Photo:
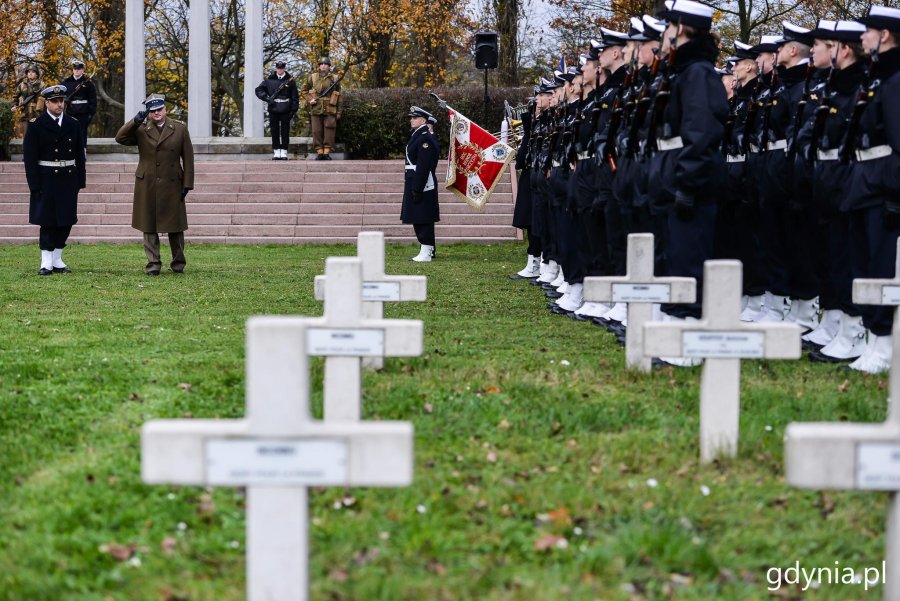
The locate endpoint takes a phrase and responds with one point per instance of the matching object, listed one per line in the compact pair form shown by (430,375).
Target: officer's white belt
(56,163)
(827,155)
(410,167)
(876,152)
(281,100)
(79,102)
(584,155)
(664,144)
(557,164)
(778,145)
(735,158)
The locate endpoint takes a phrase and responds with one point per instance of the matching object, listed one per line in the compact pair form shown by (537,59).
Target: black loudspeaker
(487,47)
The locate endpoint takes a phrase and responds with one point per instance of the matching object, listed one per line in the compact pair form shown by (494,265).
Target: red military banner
(477,160)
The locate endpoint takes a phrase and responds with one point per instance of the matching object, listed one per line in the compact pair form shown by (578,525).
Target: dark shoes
(154,272)
(61,270)
(45,271)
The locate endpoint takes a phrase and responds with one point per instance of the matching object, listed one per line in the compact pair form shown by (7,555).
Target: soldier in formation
(784,157)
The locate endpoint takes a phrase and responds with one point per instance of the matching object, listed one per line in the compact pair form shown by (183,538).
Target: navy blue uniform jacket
(54,190)
(420,195)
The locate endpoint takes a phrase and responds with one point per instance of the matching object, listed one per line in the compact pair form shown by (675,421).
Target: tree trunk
(507,12)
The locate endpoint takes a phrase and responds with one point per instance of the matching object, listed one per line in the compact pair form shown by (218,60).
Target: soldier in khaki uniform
(29,104)
(324,108)
(164,175)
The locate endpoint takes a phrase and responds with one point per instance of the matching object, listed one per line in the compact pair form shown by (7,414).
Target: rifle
(272,96)
(801,108)
(752,109)
(821,114)
(615,122)
(730,121)
(78,87)
(566,131)
(571,153)
(863,97)
(595,112)
(642,104)
(767,110)
(662,99)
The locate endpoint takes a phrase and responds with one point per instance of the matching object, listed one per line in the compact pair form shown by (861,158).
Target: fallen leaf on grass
(428,407)
(338,575)
(206,507)
(549,541)
(504,425)
(167,546)
(843,386)
(491,457)
(492,389)
(185,386)
(437,568)
(364,556)
(117,551)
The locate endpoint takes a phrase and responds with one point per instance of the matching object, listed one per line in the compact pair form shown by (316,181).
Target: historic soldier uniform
(322,92)
(420,195)
(28,100)
(279,91)
(164,175)
(54,168)
(81,97)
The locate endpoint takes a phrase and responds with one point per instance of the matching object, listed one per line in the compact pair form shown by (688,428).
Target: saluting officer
(279,91)
(164,175)
(81,97)
(420,195)
(54,168)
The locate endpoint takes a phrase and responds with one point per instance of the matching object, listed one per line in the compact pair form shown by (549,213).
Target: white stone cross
(344,335)
(722,339)
(277,451)
(378,288)
(639,288)
(848,456)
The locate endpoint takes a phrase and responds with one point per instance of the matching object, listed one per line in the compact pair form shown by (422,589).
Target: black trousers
(52,237)
(424,233)
(873,254)
(534,243)
(280,124)
(689,244)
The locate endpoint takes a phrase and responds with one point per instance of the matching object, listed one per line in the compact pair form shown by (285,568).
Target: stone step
(248,202)
(391,166)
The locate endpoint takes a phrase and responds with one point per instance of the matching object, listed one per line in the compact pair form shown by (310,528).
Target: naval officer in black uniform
(420,195)
(81,97)
(54,167)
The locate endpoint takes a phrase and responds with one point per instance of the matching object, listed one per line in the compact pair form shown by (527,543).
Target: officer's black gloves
(892,215)
(417,197)
(184,192)
(684,206)
(139,118)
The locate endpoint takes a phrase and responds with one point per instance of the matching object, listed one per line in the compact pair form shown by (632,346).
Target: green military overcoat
(165,168)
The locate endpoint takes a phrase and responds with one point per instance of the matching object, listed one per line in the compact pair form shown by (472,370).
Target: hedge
(374,123)
(6,128)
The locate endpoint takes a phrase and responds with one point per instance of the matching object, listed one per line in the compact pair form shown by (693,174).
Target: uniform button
(157,164)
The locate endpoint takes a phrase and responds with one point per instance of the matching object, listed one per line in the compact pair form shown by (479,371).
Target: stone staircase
(264,202)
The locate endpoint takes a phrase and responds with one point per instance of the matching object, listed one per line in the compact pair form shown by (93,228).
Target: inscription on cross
(639,288)
(722,339)
(344,336)
(378,288)
(277,451)
(858,456)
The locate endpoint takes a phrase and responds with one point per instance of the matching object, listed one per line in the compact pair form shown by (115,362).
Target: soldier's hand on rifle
(337,116)
(139,118)
(892,215)
(313,101)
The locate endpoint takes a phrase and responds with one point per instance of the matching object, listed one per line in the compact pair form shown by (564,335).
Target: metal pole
(486,102)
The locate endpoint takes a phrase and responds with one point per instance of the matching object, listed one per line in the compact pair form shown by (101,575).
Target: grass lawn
(544,469)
